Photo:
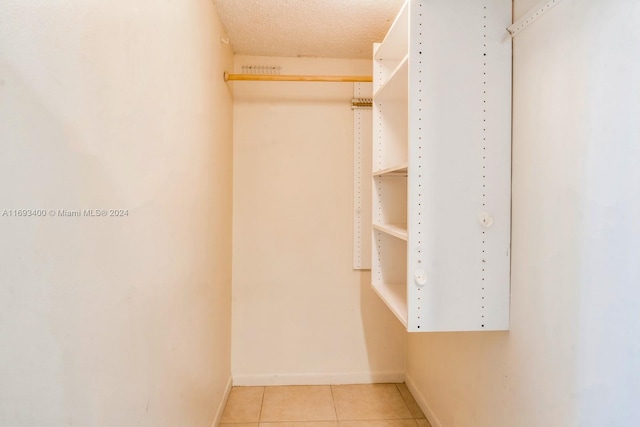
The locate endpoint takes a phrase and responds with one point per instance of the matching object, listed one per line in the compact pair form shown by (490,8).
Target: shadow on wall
(376,317)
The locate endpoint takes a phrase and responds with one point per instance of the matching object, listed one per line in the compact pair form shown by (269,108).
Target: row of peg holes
(484,154)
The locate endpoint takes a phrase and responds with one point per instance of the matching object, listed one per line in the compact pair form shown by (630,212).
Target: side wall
(300,313)
(572,355)
(116,321)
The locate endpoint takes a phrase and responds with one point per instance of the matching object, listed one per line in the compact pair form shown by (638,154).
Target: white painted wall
(114,321)
(572,357)
(300,313)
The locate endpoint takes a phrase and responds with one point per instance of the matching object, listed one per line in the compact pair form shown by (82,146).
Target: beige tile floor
(358,405)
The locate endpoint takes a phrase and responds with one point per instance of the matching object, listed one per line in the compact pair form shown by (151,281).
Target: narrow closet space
(301,313)
(319,213)
(312,343)
(361,209)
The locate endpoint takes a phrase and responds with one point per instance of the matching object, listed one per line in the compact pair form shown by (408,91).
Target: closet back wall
(301,314)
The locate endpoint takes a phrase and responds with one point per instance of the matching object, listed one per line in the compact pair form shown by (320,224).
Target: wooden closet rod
(295,78)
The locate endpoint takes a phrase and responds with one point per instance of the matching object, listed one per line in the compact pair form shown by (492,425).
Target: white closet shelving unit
(442,165)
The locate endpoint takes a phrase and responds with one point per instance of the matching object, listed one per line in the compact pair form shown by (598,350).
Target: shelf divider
(399,76)
(398,170)
(394,296)
(395,230)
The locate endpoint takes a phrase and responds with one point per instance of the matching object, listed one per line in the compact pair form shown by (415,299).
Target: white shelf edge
(392,78)
(398,307)
(395,32)
(398,170)
(395,230)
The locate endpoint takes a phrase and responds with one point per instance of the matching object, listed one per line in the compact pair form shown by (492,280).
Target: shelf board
(399,170)
(395,297)
(397,85)
(396,43)
(395,230)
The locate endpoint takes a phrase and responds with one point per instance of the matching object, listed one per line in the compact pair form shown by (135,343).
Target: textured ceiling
(316,28)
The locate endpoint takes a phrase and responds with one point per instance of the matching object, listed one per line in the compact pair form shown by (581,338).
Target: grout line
(333,399)
(264,391)
(406,403)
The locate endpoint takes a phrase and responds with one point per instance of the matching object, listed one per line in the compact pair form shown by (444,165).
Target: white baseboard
(426,409)
(223,402)
(318,379)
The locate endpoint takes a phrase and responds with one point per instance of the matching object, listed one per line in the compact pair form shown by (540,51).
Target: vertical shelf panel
(447,115)
(459,165)
(362,163)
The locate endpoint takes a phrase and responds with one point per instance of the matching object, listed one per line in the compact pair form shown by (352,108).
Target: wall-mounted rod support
(536,12)
(295,78)
(361,103)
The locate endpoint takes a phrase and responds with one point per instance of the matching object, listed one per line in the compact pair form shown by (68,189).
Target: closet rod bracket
(536,12)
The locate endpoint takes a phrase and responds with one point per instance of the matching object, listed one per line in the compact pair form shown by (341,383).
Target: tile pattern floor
(358,405)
